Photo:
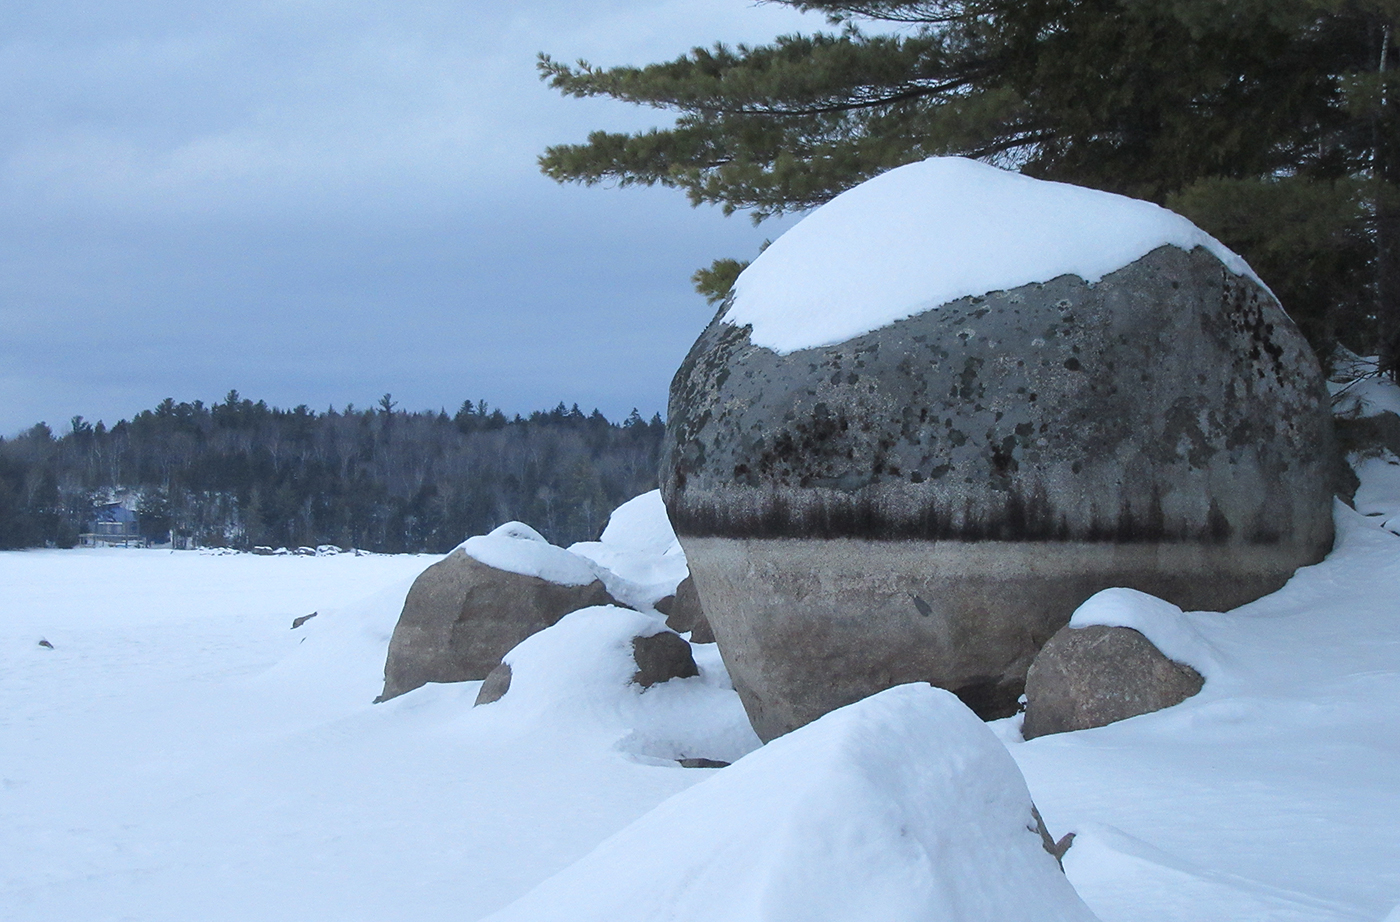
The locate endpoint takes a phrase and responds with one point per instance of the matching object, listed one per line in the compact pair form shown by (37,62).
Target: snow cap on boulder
(903,806)
(517,548)
(638,556)
(932,232)
(492,591)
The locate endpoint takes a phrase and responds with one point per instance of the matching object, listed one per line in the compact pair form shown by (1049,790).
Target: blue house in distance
(113,523)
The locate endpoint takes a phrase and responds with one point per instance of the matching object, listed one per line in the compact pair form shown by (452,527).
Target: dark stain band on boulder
(1130,410)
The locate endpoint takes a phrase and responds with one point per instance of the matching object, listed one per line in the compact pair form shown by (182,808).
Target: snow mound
(1378,496)
(638,552)
(575,678)
(935,231)
(1168,627)
(901,806)
(641,525)
(517,548)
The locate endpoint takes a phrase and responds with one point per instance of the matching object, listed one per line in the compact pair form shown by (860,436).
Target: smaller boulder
(1096,675)
(465,612)
(662,657)
(684,613)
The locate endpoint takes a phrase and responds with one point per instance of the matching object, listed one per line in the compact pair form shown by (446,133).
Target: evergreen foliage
(1213,106)
(242,473)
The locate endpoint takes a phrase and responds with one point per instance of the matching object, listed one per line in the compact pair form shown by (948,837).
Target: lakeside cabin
(114,524)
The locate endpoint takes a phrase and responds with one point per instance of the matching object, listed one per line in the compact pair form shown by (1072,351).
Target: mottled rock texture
(461,616)
(930,501)
(684,613)
(1093,676)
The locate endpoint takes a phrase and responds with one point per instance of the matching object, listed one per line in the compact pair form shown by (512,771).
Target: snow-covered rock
(517,548)
(470,608)
(637,556)
(901,807)
(578,679)
(875,484)
(929,233)
(1168,627)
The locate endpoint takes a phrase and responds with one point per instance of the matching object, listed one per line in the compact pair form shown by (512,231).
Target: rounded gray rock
(930,501)
(1097,675)
(461,616)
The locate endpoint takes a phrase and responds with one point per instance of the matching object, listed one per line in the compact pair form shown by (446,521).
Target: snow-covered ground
(181,753)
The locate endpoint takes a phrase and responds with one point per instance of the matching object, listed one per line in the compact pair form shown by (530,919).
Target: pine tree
(1205,104)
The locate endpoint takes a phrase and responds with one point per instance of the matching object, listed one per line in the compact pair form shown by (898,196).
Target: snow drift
(639,558)
(901,806)
(517,548)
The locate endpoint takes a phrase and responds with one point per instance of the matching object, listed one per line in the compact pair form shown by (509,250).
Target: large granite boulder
(1096,675)
(469,609)
(869,496)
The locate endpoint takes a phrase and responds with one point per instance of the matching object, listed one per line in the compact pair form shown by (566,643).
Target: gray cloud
(318,203)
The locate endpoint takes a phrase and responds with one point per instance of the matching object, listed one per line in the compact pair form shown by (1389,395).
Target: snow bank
(1128,870)
(517,548)
(1358,390)
(1378,496)
(1168,627)
(932,232)
(901,806)
(574,679)
(638,552)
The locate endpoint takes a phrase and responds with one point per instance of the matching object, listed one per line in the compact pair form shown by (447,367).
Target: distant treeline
(243,474)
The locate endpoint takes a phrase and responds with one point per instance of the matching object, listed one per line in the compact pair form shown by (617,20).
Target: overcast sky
(320,201)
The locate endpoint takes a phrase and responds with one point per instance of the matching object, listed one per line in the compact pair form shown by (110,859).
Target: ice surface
(899,807)
(931,232)
(181,753)
(1168,627)
(517,548)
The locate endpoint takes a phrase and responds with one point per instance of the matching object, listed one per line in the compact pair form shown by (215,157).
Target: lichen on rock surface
(931,498)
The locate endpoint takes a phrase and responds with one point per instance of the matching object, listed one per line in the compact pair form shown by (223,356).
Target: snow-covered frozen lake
(180,753)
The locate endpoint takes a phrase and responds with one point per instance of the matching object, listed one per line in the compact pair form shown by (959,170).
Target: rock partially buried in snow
(927,493)
(580,678)
(495,686)
(469,609)
(1123,653)
(660,657)
(901,807)
(1094,676)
